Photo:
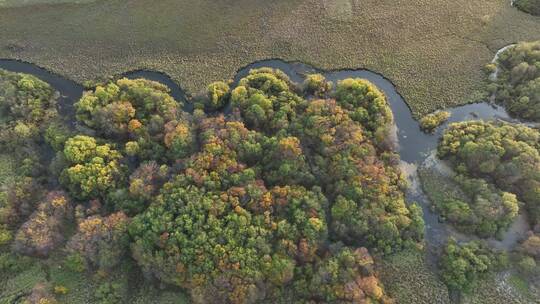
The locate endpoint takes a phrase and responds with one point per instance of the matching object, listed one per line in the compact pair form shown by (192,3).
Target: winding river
(414,146)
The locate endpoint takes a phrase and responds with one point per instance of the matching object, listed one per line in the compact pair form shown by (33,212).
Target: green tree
(266,101)
(93,170)
(517,85)
(316,84)
(366,104)
(431,121)
(217,95)
(139,110)
(463,264)
(505,154)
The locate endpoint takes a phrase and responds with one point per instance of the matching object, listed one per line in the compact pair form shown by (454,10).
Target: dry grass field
(433,50)
(20,3)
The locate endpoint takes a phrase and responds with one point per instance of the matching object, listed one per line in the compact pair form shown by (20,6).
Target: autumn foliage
(43,230)
(282,200)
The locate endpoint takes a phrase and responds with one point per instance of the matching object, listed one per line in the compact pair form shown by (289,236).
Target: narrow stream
(414,145)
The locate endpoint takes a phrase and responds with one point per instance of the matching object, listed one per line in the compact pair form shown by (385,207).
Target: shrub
(60,290)
(527,265)
(5,236)
(110,293)
(56,135)
(12,263)
(316,84)
(431,121)
(75,262)
(217,95)
(472,205)
(463,264)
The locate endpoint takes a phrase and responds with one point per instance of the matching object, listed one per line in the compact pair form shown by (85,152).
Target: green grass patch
(148,294)
(80,286)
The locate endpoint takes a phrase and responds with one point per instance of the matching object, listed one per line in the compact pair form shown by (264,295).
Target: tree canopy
(247,214)
(139,113)
(463,264)
(517,85)
(27,105)
(283,199)
(503,154)
(431,121)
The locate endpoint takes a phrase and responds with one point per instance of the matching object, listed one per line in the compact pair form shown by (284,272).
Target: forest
(488,154)
(517,81)
(495,166)
(285,198)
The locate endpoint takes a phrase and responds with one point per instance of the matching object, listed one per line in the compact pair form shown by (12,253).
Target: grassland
(20,3)
(502,288)
(433,50)
(409,279)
